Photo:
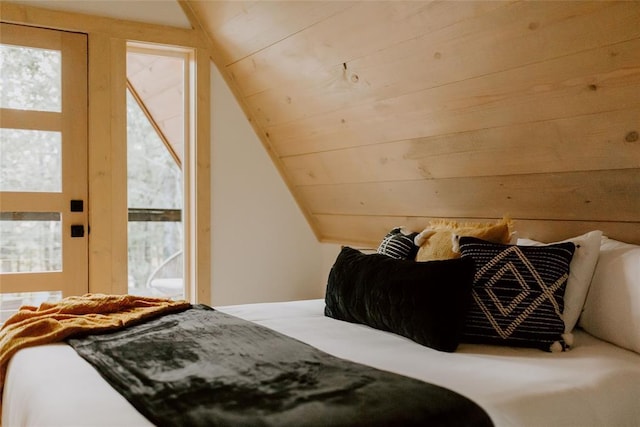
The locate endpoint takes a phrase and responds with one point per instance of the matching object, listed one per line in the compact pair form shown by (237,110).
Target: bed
(595,383)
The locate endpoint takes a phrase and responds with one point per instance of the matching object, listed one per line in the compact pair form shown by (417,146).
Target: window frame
(186,55)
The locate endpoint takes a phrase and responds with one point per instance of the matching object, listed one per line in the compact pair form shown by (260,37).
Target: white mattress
(594,384)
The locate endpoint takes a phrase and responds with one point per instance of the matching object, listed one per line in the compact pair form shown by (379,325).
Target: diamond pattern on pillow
(518,293)
(582,267)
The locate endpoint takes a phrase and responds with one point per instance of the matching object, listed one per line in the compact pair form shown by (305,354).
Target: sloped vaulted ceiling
(393,112)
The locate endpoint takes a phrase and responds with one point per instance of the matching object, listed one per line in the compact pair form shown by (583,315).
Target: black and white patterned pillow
(398,244)
(518,294)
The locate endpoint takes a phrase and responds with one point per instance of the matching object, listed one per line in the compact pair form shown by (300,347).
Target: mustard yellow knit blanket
(90,313)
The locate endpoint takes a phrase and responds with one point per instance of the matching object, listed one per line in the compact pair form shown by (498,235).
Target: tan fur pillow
(439,239)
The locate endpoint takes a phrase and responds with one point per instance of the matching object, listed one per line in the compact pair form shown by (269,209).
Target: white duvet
(594,384)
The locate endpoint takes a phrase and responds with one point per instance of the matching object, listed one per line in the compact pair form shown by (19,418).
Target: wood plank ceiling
(393,112)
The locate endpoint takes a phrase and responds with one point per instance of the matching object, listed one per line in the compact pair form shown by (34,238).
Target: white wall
(262,247)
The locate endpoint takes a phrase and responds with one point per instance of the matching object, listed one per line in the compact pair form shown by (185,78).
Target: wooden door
(43,162)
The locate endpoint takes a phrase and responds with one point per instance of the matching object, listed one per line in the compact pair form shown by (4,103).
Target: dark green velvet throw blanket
(202,367)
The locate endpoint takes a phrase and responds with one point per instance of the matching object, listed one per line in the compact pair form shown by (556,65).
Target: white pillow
(612,309)
(580,273)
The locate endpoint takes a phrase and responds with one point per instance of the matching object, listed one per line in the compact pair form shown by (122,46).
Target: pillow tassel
(455,243)
(423,236)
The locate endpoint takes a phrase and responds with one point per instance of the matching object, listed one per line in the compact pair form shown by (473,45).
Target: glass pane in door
(30,160)
(31,242)
(30,78)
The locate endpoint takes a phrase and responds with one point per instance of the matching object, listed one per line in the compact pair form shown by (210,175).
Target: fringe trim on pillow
(455,225)
(455,243)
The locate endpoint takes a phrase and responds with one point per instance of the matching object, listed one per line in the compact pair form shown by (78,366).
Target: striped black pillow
(399,244)
(518,294)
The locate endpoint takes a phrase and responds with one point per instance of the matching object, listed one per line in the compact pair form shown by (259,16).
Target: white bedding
(594,384)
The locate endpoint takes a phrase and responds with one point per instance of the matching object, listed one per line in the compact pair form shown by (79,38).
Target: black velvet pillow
(424,301)
(518,294)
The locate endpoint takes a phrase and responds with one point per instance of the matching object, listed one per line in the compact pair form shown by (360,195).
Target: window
(157,107)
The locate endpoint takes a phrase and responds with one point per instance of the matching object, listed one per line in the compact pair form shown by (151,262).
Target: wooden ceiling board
(245,28)
(352,34)
(590,142)
(457,52)
(610,195)
(386,113)
(363,231)
(583,83)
